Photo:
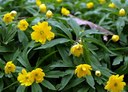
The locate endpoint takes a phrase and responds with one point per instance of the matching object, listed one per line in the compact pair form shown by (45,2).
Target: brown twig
(91,25)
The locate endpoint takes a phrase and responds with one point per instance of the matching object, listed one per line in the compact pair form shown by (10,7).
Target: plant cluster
(63,45)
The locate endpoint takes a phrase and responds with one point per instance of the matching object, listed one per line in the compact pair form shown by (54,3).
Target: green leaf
(120,23)
(36,87)
(117,60)
(65,80)
(1,74)
(2,64)
(48,85)
(31,11)
(61,26)
(90,81)
(76,28)
(65,56)
(55,74)
(74,83)
(84,89)
(22,37)
(21,89)
(53,43)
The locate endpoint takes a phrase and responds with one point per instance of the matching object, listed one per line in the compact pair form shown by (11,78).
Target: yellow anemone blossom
(25,78)
(65,11)
(122,12)
(38,75)
(115,38)
(90,5)
(9,67)
(76,50)
(43,8)
(102,1)
(83,70)
(38,2)
(8,18)
(112,5)
(23,25)
(115,83)
(49,14)
(42,32)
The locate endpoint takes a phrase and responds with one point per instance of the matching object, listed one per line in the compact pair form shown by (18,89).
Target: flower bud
(90,5)
(59,1)
(122,12)
(43,8)
(112,5)
(13,13)
(49,14)
(98,73)
(115,38)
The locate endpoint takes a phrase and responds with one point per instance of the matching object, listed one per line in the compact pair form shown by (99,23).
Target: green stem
(10,85)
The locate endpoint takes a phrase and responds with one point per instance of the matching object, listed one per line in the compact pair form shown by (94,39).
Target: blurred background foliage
(54,56)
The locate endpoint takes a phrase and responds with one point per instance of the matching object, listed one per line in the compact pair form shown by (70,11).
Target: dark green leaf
(117,60)
(21,89)
(36,87)
(90,81)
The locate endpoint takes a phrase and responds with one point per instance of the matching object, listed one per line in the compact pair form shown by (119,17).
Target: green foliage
(54,56)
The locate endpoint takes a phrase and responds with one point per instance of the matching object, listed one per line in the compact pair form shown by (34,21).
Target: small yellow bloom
(23,25)
(115,83)
(43,8)
(13,13)
(115,38)
(76,50)
(8,18)
(90,5)
(102,1)
(42,32)
(65,11)
(25,78)
(98,73)
(122,12)
(9,67)
(83,70)
(112,5)
(38,2)
(49,14)
(38,75)
(59,1)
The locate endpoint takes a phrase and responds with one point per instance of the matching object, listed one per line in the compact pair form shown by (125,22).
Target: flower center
(83,68)
(115,84)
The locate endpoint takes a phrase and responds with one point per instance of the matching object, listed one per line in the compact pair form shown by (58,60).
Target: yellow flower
(8,18)
(112,5)
(102,1)
(13,13)
(122,12)
(90,5)
(115,84)
(76,50)
(98,73)
(83,70)
(25,78)
(59,1)
(38,75)
(49,14)
(65,11)
(43,8)
(9,67)
(38,2)
(23,25)
(115,38)
(42,32)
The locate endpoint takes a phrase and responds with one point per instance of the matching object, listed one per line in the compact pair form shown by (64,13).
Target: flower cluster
(27,78)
